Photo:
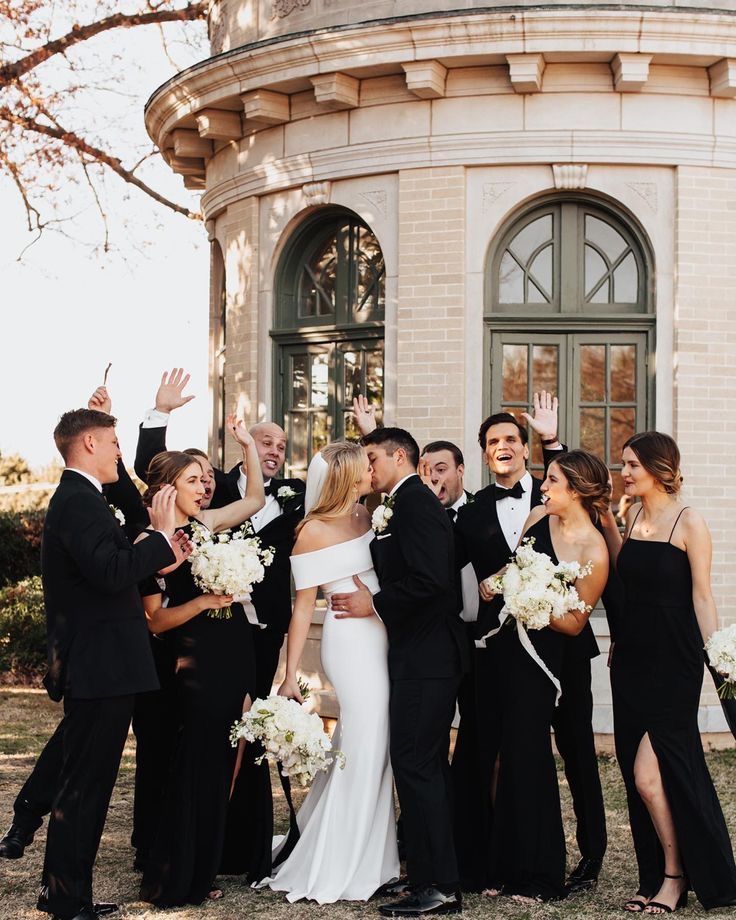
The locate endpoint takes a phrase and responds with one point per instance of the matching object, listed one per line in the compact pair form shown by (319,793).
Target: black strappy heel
(665,908)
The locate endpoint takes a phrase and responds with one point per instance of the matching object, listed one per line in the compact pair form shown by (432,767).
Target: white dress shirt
(269,512)
(95,482)
(154,418)
(513,512)
(401,482)
(468,580)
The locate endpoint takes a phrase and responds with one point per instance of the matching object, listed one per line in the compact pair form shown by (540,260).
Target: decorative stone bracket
(630,71)
(569,176)
(525,72)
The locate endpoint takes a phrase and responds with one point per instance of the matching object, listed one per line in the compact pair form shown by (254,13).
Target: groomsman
(99,655)
(488,530)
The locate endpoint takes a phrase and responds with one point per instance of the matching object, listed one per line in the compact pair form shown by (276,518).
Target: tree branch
(77,143)
(11,72)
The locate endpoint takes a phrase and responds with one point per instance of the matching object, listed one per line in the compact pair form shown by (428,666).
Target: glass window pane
(369,275)
(352,433)
(541,269)
(534,295)
(374,377)
(623,425)
(593,430)
(618,489)
(623,373)
(319,381)
(605,237)
(318,281)
(352,361)
(298,441)
(595,270)
(299,387)
(592,373)
(544,368)
(320,432)
(515,373)
(626,281)
(531,237)
(510,281)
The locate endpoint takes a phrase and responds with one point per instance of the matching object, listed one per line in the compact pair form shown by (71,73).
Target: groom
(413,557)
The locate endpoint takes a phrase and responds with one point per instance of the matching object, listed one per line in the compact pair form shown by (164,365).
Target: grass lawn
(27,718)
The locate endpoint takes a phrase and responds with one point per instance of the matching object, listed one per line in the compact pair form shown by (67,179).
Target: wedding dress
(347,845)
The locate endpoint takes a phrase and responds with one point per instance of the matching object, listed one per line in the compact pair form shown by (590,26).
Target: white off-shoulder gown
(347,846)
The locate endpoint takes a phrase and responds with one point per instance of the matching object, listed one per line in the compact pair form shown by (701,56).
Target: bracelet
(547,441)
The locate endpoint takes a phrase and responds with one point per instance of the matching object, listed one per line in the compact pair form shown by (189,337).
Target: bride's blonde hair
(345,467)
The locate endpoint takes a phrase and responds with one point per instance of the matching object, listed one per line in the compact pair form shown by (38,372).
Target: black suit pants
(420,714)
(34,800)
(93,737)
(573,725)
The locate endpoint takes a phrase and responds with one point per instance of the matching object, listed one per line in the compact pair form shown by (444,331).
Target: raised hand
(425,474)
(182,547)
(365,414)
(163,510)
(544,420)
(100,401)
(169,395)
(290,689)
(236,427)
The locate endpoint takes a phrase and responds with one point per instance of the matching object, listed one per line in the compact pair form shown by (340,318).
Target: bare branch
(12,71)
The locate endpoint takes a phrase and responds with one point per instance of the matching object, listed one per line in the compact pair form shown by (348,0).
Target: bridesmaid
(680,836)
(214,675)
(527,859)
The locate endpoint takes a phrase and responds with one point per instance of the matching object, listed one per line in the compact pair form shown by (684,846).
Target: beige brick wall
(705,360)
(431,295)
(241,278)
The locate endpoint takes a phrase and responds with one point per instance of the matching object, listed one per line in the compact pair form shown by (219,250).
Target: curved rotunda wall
(237,22)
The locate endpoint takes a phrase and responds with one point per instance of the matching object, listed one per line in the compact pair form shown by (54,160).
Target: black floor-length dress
(527,837)
(656,678)
(215,669)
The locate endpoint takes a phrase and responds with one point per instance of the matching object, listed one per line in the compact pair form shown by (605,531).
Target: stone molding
(570,176)
(722,76)
(316,193)
(280,9)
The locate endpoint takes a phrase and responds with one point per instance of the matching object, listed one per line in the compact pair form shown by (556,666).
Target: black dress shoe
(103,908)
(585,875)
(86,913)
(424,902)
(13,844)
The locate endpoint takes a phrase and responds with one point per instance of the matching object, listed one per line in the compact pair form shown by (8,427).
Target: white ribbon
(249,610)
(526,644)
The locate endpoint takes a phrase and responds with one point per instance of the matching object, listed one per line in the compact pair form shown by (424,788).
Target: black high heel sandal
(665,908)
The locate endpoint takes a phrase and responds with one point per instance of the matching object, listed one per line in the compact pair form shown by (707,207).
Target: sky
(66,312)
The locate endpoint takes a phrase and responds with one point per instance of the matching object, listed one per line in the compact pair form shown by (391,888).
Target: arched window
(328,337)
(569,308)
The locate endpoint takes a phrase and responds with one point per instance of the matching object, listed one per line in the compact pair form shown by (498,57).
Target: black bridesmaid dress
(215,669)
(527,854)
(656,678)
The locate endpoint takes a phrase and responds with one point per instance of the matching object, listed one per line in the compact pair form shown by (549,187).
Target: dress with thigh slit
(656,678)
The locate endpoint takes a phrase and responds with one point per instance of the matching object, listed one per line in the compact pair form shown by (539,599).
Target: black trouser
(93,737)
(34,800)
(420,715)
(573,725)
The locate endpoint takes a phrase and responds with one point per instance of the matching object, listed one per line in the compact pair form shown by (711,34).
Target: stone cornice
(480,149)
(688,34)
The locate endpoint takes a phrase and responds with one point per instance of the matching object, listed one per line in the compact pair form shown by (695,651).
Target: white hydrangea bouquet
(229,562)
(290,735)
(721,649)
(536,590)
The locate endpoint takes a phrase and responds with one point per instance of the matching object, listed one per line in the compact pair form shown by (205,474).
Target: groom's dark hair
(390,439)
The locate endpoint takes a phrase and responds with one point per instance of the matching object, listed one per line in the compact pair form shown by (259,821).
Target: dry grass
(27,718)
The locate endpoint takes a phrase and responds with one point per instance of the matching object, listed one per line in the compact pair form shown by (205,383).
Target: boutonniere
(117,514)
(285,494)
(383,514)
(470,498)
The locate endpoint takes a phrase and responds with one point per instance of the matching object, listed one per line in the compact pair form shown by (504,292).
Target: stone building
(448,205)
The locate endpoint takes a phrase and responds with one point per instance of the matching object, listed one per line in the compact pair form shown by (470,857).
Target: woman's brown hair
(587,475)
(659,454)
(165,469)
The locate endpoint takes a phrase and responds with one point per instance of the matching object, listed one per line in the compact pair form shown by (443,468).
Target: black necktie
(270,489)
(452,514)
(515,492)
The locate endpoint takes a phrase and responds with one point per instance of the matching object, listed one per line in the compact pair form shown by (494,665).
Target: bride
(347,845)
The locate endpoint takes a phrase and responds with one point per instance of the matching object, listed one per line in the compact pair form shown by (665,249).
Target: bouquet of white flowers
(229,562)
(721,649)
(536,590)
(290,735)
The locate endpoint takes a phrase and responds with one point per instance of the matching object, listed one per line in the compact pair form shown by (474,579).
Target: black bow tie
(452,514)
(270,489)
(515,492)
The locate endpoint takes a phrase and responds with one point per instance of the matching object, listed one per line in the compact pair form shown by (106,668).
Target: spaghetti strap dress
(527,853)
(656,679)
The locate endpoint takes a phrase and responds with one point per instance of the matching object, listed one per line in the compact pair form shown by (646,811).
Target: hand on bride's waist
(356,603)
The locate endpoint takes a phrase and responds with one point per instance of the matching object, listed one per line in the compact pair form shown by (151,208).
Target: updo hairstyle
(165,469)
(659,454)
(587,475)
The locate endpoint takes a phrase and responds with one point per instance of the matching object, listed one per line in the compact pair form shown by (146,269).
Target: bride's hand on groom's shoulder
(290,689)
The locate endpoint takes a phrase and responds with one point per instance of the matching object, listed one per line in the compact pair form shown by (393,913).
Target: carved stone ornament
(647,191)
(282,8)
(493,191)
(570,175)
(378,198)
(316,193)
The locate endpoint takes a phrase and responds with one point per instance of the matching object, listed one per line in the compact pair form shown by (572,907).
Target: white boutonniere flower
(118,515)
(382,515)
(285,493)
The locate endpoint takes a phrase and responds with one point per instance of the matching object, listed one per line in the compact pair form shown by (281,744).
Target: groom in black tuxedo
(98,649)
(413,557)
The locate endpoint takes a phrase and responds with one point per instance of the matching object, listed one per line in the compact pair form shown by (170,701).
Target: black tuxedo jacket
(98,643)
(414,562)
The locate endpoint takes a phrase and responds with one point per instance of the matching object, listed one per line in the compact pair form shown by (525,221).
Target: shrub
(20,545)
(22,631)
